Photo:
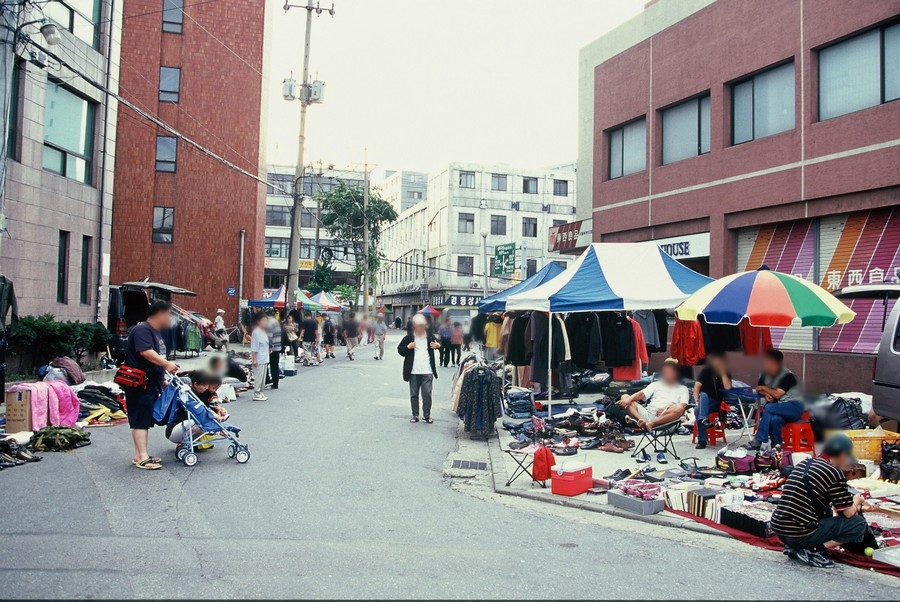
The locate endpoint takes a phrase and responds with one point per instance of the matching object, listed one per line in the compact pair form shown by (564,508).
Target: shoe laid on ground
(609,446)
(661,458)
(260,398)
(700,445)
(620,474)
(753,445)
(815,559)
(643,457)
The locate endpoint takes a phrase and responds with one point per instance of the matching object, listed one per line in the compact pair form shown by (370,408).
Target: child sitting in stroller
(200,386)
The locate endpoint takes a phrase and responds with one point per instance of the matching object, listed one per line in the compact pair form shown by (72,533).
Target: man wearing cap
(817,511)
(220,326)
(419,368)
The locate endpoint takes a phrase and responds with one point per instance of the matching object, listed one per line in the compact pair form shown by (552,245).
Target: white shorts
(178,432)
(648,412)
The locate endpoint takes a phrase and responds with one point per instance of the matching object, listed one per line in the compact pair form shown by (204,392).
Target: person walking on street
(379,331)
(328,331)
(456,341)
(293,338)
(467,335)
(220,330)
(351,335)
(309,332)
(275,333)
(419,368)
(445,332)
(146,351)
(259,355)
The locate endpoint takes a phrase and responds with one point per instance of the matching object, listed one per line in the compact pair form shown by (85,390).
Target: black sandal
(429,421)
(414,419)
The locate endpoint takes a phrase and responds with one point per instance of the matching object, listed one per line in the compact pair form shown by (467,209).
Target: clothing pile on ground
(101,403)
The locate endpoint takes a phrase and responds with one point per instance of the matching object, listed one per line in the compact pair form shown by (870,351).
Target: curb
(653,519)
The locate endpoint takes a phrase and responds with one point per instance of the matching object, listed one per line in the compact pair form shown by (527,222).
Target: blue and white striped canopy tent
(497,302)
(614,276)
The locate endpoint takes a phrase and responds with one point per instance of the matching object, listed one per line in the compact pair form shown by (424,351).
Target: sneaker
(753,445)
(815,559)
(260,398)
(790,552)
(644,457)
(661,458)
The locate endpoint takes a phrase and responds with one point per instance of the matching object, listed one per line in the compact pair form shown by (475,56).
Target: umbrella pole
(549,365)
(884,313)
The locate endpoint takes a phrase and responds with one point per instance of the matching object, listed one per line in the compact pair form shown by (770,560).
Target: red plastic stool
(713,433)
(798,436)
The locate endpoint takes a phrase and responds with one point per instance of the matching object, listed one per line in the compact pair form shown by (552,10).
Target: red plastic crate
(570,479)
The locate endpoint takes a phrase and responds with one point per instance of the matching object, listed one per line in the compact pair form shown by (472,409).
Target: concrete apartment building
(403,189)
(747,133)
(181,216)
(59,158)
(278,225)
(434,250)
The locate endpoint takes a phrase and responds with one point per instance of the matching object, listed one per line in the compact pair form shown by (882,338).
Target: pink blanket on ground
(52,402)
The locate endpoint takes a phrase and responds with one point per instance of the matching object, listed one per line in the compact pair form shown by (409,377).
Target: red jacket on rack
(687,342)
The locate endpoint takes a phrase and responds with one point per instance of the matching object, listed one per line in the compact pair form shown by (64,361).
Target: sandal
(153,459)
(429,421)
(414,419)
(148,464)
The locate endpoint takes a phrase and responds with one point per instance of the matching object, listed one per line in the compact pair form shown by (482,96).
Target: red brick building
(756,131)
(179,215)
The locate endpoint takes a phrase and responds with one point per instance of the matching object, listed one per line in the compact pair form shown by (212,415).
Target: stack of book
(753,518)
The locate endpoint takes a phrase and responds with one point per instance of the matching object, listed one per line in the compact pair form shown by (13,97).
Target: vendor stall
(497,302)
(327,301)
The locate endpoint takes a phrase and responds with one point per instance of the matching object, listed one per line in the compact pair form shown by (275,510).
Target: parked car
(886,375)
(128,304)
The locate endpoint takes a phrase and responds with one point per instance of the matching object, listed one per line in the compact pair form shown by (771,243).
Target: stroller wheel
(190,459)
(242,456)
(231,451)
(180,453)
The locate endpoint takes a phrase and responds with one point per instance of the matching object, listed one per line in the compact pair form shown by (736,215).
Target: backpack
(543,460)
(745,465)
(328,327)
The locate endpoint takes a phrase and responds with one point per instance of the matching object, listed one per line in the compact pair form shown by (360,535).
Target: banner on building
(571,236)
(456,300)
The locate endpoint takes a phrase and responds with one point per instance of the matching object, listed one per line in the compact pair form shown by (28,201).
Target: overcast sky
(424,82)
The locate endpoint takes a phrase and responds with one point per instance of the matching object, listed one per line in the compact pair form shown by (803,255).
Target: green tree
(348,294)
(342,215)
(322,278)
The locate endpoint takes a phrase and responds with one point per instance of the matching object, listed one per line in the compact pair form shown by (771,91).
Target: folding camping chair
(660,439)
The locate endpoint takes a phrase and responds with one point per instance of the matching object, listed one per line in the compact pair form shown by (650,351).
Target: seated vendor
(708,394)
(816,510)
(667,399)
(784,399)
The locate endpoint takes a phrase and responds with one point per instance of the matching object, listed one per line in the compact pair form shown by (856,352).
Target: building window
(278,215)
(62,268)
(78,16)
(169,84)
(859,73)
(86,252)
(68,133)
(763,105)
(280,184)
(498,225)
(307,250)
(466,223)
(416,178)
(627,149)
(432,264)
(308,217)
(166,153)
(529,185)
(465,265)
(492,269)
(414,194)
(530,268)
(13,115)
(685,130)
(172,16)
(529,227)
(163,224)
(498,182)
(272,281)
(277,246)
(561,264)
(560,188)
(467,179)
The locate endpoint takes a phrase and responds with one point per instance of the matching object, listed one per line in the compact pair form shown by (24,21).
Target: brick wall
(220,107)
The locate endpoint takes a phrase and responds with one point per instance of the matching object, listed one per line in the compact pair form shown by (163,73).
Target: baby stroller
(178,394)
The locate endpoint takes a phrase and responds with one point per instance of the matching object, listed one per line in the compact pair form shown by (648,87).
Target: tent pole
(549,365)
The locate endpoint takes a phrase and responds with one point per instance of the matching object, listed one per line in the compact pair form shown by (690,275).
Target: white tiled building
(433,251)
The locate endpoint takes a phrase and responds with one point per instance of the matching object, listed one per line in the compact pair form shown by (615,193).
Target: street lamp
(51,33)
(484,234)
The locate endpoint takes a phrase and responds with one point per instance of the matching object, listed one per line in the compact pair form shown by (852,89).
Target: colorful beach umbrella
(765,298)
(430,311)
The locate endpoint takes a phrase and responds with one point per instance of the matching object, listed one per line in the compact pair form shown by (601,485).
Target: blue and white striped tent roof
(614,276)
(497,302)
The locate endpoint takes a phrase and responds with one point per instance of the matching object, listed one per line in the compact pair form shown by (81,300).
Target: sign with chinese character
(505,258)
(572,236)
(307,264)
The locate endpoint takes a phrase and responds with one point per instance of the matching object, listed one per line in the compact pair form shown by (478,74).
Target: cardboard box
(18,411)
(633,504)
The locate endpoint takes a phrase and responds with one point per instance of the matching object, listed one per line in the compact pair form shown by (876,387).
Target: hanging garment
(518,354)
(617,336)
(8,303)
(492,331)
(662,328)
(539,358)
(564,335)
(687,342)
(633,372)
(505,331)
(480,400)
(755,340)
(647,321)
(720,337)
(476,329)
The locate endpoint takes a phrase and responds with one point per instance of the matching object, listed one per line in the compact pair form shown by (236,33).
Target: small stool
(798,436)
(713,433)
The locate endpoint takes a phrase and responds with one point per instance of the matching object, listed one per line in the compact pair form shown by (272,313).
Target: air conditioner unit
(476,285)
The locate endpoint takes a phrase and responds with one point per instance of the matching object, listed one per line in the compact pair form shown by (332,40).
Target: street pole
(293,279)
(366,235)
(484,258)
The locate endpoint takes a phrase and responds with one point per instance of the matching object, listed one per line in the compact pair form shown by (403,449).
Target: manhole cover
(469,465)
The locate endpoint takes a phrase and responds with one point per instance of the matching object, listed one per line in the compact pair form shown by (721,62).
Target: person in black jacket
(419,368)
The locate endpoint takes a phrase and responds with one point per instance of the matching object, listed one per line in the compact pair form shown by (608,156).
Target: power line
(399,261)
(225,46)
(153,12)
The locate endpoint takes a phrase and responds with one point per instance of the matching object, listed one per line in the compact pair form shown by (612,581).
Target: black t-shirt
(309,328)
(351,327)
(711,383)
(787,382)
(327,327)
(144,337)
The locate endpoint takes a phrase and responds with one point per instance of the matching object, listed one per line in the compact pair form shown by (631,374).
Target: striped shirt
(814,488)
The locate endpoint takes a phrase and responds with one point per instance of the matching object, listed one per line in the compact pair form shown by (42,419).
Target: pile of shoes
(12,454)
(585,429)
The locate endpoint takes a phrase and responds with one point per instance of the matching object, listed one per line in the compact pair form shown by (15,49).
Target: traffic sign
(505,258)
(231,291)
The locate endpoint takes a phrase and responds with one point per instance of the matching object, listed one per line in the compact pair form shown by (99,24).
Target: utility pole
(293,279)
(366,235)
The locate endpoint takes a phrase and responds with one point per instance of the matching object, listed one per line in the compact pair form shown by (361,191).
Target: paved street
(344,498)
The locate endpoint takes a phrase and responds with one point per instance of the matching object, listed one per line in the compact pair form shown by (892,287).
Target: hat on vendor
(837,445)
(220,311)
